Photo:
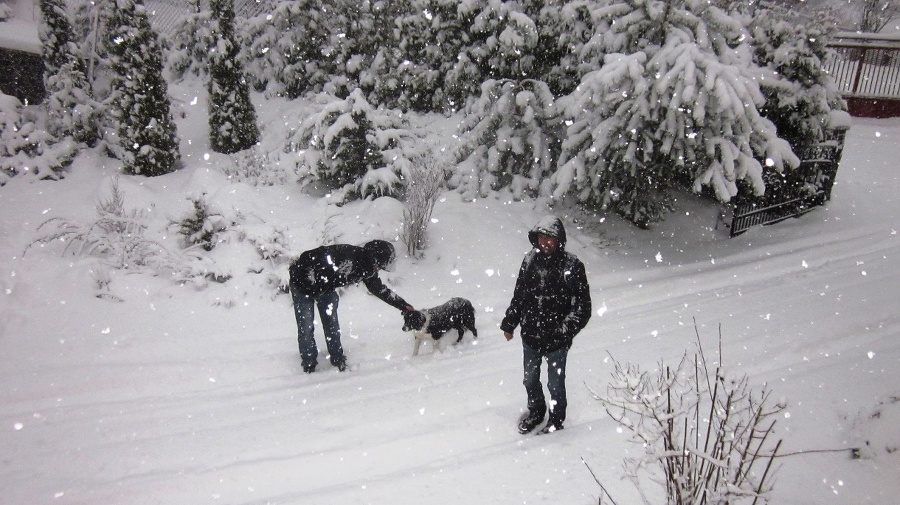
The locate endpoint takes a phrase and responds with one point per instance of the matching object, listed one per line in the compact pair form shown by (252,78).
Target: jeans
(556,382)
(303,310)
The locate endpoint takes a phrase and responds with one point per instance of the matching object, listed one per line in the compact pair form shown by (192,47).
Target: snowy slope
(187,394)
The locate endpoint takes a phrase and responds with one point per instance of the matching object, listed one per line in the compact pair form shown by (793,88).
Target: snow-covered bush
(139,102)
(256,167)
(707,438)
(508,139)
(426,176)
(201,226)
(675,104)
(27,149)
(353,147)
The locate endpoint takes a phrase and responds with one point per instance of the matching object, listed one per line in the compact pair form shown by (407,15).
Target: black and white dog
(457,314)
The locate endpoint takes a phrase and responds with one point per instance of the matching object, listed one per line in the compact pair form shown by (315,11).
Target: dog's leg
(416,344)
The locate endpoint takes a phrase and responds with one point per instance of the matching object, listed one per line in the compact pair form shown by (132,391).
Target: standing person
(551,303)
(314,278)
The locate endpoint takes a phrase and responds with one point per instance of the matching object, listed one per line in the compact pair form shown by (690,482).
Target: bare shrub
(117,235)
(707,437)
(426,176)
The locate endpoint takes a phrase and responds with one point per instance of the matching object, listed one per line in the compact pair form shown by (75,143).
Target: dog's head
(413,320)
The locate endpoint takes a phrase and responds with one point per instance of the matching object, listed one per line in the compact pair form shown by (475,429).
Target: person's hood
(551,226)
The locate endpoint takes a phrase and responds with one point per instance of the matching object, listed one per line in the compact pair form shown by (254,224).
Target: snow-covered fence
(797,192)
(166,14)
(866,69)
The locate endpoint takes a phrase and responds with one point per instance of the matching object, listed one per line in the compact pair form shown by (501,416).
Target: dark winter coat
(329,267)
(552,300)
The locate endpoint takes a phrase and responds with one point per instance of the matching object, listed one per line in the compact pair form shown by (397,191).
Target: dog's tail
(469,320)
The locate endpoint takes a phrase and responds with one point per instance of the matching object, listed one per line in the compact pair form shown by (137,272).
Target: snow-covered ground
(164,393)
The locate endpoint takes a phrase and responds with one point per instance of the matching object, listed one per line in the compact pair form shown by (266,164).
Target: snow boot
(552,425)
(529,422)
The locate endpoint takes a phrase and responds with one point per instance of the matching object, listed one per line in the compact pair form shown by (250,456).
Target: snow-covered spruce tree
(563,30)
(26,149)
(502,42)
(676,104)
(189,43)
(71,110)
(801,101)
(291,51)
(139,102)
(355,148)
(432,34)
(508,139)
(232,119)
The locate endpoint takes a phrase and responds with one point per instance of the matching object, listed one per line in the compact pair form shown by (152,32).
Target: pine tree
(190,41)
(354,147)
(508,140)
(232,119)
(433,35)
(148,141)
(801,100)
(675,104)
(72,112)
(290,51)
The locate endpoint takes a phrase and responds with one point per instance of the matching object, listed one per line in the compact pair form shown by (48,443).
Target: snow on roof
(20,35)
(20,30)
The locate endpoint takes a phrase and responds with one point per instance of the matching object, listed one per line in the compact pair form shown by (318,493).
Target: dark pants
(303,310)
(556,382)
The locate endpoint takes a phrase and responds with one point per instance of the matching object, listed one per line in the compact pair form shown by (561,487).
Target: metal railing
(865,65)
(166,14)
(797,192)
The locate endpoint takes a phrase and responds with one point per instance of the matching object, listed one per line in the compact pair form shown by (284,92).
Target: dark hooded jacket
(329,267)
(552,300)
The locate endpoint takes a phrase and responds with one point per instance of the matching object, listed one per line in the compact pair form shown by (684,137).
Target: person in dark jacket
(551,303)
(314,278)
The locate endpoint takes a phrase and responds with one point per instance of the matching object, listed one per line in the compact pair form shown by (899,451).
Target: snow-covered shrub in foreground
(355,148)
(707,437)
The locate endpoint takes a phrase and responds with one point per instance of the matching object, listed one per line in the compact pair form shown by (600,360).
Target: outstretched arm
(376,287)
